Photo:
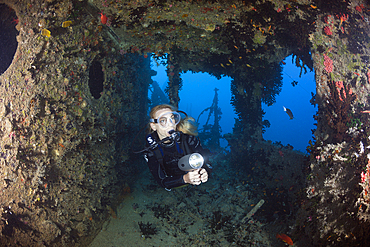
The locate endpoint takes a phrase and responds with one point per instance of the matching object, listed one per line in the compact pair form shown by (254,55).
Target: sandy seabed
(184,217)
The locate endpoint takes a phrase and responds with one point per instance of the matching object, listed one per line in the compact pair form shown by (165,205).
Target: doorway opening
(196,95)
(296,95)
(198,91)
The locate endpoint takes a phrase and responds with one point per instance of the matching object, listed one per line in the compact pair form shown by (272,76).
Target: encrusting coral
(338,109)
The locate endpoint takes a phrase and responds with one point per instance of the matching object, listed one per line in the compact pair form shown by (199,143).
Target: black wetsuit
(166,172)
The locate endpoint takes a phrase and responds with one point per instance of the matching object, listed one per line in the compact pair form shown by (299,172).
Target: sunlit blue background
(198,92)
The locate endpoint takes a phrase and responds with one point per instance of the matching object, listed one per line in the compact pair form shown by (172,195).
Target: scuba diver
(173,152)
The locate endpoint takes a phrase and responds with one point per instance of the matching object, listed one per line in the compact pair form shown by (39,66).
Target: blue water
(296,132)
(198,91)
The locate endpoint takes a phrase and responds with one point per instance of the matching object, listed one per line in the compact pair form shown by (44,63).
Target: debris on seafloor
(253,211)
(147,230)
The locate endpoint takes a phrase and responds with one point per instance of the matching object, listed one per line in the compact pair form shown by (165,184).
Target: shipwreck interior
(74,81)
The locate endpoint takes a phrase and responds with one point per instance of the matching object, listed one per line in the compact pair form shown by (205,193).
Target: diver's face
(161,130)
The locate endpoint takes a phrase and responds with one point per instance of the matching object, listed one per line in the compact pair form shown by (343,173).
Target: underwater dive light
(191,161)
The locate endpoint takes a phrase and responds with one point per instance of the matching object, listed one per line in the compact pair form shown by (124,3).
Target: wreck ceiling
(245,40)
(213,35)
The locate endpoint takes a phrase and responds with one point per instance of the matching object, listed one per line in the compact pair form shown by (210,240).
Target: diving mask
(166,118)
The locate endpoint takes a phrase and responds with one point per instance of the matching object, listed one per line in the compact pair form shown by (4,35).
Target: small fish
(103,18)
(289,112)
(249,66)
(45,32)
(230,61)
(285,238)
(222,66)
(66,24)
